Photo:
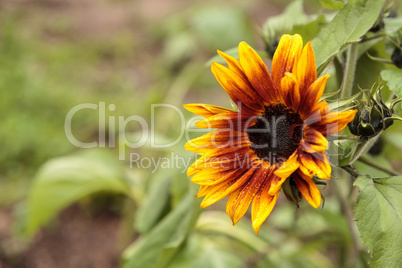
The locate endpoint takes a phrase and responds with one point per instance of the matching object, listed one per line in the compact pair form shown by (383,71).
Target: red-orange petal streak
(312,95)
(308,189)
(240,200)
(223,189)
(238,89)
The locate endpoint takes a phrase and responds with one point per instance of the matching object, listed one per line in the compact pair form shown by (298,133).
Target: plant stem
(362,147)
(347,211)
(352,171)
(373,164)
(350,68)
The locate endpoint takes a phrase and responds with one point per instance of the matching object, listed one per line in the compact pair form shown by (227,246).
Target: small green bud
(271,45)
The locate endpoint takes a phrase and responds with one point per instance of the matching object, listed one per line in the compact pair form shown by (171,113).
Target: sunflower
(278,133)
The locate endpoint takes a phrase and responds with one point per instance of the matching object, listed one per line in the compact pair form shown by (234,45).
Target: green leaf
(349,25)
(392,25)
(274,27)
(219,26)
(309,30)
(159,246)
(199,252)
(394,80)
(332,4)
(337,104)
(329,95)
(155,204)
(395,138)
(65,180)
(367,73)
(341,152)
(379,218)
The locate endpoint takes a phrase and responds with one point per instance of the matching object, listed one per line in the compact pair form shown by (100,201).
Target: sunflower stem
(352,171)
(362,147)
(374,164)
(349,74)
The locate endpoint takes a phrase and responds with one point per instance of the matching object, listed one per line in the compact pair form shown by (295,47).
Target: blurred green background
(55,55)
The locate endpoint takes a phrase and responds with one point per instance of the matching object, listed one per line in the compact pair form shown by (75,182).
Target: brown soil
(77,240)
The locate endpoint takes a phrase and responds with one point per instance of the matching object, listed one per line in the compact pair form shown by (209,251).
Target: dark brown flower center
(276,134)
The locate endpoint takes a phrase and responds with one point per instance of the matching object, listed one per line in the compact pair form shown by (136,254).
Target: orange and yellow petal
(239,201)
(211,177)
(312,95)
(315,164)
(314,141)
(290,91)
(283,172)
(308,189)
(305,70)
(232,120)
(286,55)
(238,90)
(233,64)
(263,204)
(220,138)
(221,190)
(257,73)
(334,122)
(203,191)
(206,110)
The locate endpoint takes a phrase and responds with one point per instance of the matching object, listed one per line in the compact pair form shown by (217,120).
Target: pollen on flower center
(276,134)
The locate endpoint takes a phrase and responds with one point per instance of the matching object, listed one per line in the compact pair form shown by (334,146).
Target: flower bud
(396,57)
(291,191)
(371,117)
(378,25)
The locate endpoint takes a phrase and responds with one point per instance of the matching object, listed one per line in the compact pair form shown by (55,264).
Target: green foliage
(159,246)
(349,25)
(44,76)
(155,204)
(378,214)
(274,27)
(394,80)
(220,26)
(332,4)
(309,30)
(65,180)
